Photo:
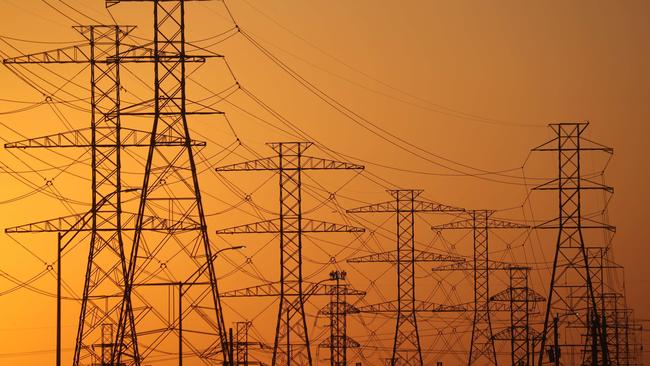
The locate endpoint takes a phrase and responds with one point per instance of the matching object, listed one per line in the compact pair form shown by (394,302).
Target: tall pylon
(103,49)
(338,310)
(406,344)
(522,301)
(183,254)
(571,291)
(480,222)
(291,346)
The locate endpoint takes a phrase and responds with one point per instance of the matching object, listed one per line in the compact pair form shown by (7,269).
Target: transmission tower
(338,310)
(242,344)
(522,301)
(482,344)
(170,190)
(291,344)
(103,50)
(406,344)
(571,292)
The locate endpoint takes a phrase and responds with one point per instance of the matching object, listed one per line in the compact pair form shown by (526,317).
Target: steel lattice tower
(338,310)
(571,292)
(106,267)
(241,343)
(521,300)
(291,344)
(170,192)
(406,344)
(482,342)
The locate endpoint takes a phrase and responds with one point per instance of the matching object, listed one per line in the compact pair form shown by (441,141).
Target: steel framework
(406,344)
(170,190)
(106,266)
(480,222)
(571,292)
(291,344)
(338,310)
(522,301)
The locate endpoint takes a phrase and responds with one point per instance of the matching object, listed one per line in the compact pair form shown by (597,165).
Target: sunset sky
(444,96)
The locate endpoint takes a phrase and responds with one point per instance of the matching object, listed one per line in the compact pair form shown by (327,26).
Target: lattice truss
(150,289)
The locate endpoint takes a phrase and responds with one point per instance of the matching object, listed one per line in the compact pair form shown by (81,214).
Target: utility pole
(338,309)
(291,346)
(480,222)
(571,290)
(405,203)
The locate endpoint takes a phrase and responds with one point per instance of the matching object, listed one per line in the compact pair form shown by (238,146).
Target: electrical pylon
(170,190)
(338,310)
(480,222)
(406,344)
(571,292)
(291,344)
(242,344)
(522,301)
(103,50)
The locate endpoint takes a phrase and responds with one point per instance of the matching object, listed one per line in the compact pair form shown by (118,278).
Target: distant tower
(338,309)
(292,344)
(406,343)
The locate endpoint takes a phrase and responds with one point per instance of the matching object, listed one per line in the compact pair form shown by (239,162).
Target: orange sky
(473,82)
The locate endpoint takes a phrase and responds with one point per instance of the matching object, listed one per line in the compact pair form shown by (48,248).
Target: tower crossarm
(82,138)
(420,307)
(322,289)
(273,289)
(333,308)
(82,222)
(573,183)
(507,296)
(561,143)
(349,343)
(66,55)
(418,206)
(81,54)
(110,3)
(468,266)
(251,165)
(307,226)
(469,224)
(418,256)
(267,289)
(572,223)
(306,163)
(313,163)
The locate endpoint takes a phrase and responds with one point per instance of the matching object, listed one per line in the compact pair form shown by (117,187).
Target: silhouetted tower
(338,310)
(241,343)
(571,291)
(482,344)
(521,300)
(291,344)
(406,344)
(170,192)
(103,50)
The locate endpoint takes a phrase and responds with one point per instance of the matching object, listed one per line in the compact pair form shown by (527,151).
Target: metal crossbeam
(274,226)
(83,138)
(418,256)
